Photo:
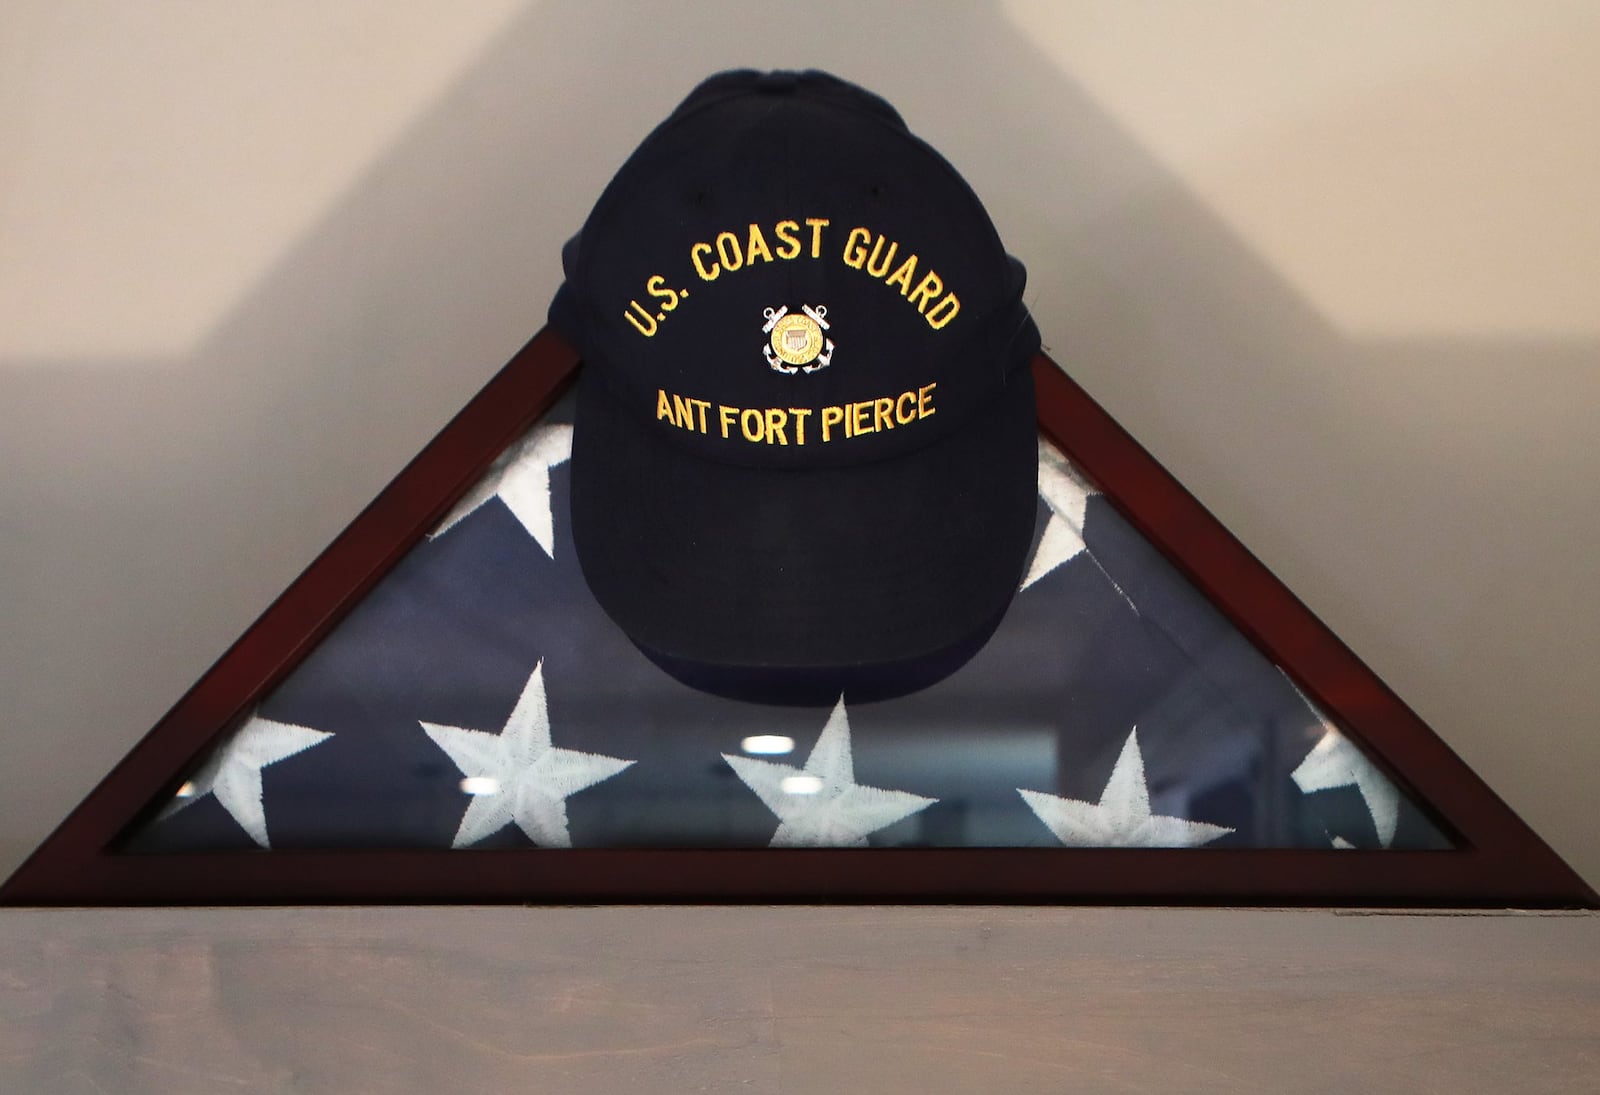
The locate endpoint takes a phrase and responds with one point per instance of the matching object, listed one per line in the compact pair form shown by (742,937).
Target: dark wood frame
(1497,861)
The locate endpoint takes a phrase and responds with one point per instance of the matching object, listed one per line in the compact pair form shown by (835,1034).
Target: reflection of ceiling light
(801,785)
(187,790)
(769,744)
(481,785)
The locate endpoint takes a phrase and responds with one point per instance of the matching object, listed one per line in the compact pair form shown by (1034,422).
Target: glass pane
(478,698)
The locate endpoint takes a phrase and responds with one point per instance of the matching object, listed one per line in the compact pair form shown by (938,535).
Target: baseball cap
(804,454)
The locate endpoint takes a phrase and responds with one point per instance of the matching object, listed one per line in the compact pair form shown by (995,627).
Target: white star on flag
(822,805)
(1336,762)
(1122,817)
(521,479)
(1067,494)
(517,775)
(233,771)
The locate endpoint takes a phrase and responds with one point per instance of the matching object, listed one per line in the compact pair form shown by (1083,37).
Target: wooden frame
(1497,860)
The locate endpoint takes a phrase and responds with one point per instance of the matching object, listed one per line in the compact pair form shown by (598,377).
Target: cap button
(779,82)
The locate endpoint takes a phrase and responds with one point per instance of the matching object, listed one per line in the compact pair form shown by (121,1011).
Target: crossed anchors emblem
(796,343)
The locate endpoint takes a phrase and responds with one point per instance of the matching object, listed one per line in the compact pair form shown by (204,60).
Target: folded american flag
(479,697)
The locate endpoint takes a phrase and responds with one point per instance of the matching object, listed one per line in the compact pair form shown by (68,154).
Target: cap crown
(782,275)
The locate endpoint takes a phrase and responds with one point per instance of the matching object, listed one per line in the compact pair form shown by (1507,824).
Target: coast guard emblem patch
(795,341)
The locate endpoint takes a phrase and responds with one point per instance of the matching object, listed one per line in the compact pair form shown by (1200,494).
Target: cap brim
(820,576)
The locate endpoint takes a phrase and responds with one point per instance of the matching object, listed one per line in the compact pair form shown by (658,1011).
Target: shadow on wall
(152,512)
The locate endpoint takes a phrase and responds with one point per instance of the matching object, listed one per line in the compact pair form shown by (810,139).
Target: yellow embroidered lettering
(699,267)
(902,277)
(772,425)
(883,414)
(683,412)
(788,242)
(855,249)
(831,417)
(874,267)
(875,254)
(686,412)
(928,288)
(902,413)
(817,225)
(756,246)
(746,417)
(657,288)
(777,419)
(943,312)
(628,314)
(728,251)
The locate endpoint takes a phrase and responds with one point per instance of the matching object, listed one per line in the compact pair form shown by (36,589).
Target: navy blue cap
(804,460)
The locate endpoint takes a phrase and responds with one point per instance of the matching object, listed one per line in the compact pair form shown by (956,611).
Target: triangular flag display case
(435,711)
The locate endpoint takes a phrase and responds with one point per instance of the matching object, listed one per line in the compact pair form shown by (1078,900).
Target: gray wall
(1335,265)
